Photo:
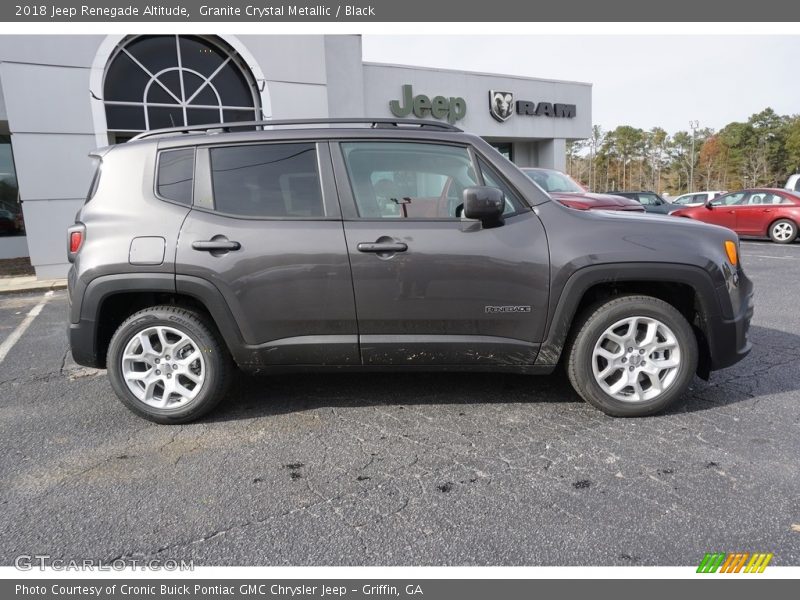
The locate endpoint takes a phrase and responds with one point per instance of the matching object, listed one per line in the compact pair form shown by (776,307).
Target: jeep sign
(440,107)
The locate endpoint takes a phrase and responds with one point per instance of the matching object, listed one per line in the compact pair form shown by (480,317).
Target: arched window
(175,80)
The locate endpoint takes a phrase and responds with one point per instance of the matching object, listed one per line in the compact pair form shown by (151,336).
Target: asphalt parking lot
(438,469)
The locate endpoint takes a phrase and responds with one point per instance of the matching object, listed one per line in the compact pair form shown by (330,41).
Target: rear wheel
(632,356)
(168,365)
(783,231)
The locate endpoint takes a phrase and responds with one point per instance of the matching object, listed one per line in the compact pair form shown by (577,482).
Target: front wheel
(783,231)
(632,356)
(168,365)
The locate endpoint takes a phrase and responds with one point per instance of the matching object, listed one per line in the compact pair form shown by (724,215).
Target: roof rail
(227,127)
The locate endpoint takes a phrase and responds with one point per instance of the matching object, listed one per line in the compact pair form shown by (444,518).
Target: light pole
(693,125)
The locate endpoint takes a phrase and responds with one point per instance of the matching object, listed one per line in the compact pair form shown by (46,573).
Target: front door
(723,210)
(430,286)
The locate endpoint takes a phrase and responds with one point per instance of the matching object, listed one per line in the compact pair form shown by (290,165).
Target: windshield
(553,181)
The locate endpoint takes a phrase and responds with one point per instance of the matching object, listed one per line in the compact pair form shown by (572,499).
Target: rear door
(266,231)
(430,286)
(757,210)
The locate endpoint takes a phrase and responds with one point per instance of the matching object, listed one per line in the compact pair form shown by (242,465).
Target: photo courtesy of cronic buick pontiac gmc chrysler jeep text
(377,245)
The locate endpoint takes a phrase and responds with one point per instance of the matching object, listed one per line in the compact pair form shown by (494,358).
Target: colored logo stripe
(734,562)
(711,562)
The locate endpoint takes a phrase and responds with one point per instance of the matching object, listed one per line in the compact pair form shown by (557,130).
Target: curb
(32,286)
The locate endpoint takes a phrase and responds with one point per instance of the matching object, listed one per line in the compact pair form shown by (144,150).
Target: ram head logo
(501,105)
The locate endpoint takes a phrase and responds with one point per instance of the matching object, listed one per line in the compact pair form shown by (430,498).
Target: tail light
(75,238)
(75,241)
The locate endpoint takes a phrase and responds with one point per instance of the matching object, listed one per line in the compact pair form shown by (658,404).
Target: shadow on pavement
(771,368)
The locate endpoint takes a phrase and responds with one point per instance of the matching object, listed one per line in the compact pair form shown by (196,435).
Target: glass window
(175,175)
(729,199)
(173,81)
(649,199)
(492,179)
(765,198)
(554,181)
(505,149)
(408,179)
(11,221)
(267,180)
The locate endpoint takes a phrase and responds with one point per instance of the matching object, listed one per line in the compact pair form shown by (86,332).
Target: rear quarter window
(175,177)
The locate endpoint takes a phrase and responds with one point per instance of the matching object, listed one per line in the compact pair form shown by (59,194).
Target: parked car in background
(19,222)
(793,183)
(651,201)
(697,198)
(758,212)
(570,193)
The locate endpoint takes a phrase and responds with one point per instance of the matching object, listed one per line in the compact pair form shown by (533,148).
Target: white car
(697,198)
(793,183)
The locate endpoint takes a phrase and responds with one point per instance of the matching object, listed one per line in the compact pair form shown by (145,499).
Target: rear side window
(175,175)
(267,180)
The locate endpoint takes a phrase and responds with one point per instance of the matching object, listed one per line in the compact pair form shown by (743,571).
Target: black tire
(218,363)
(783,224)
(596,320)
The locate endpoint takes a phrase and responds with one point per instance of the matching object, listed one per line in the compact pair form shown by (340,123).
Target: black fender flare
(87,312)
(582,280)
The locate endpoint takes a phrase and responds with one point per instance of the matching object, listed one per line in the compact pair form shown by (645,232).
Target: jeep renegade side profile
(379,245)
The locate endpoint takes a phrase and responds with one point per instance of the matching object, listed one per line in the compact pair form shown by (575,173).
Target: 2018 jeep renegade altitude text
(377,245)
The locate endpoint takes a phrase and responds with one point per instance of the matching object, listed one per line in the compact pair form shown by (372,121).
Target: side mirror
(486,204)
(709,204)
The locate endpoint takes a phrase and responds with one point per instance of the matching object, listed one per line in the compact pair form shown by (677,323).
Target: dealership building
(61,96)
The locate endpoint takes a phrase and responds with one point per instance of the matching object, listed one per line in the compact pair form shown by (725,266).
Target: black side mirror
(486,204)
(709,204)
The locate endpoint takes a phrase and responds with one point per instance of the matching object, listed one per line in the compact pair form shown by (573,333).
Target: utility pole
(693,125)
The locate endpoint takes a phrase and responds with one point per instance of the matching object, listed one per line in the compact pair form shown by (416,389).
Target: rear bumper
(728,338)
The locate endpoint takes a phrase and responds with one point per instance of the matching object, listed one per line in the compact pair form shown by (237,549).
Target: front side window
(736,199)
(395,180)
(649,199)
(175,175)
(267,180)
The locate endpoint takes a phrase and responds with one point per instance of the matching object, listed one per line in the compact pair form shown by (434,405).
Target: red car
(757,212)
(571,193)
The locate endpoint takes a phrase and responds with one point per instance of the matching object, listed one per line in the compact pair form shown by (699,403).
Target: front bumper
(728,339)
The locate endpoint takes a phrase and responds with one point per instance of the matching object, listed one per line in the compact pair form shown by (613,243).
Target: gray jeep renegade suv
(376,245)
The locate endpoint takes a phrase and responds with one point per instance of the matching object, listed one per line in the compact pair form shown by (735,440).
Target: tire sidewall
(788,240)
(212,357)
(602,319)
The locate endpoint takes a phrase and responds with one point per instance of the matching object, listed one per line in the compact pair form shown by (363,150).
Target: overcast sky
(644,81)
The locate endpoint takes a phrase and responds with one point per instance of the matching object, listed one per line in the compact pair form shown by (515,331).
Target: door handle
(216,245)
(381,247)
(767,210)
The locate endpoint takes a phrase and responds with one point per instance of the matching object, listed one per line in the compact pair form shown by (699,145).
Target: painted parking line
(777,257)
(747,243)
(12,339)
